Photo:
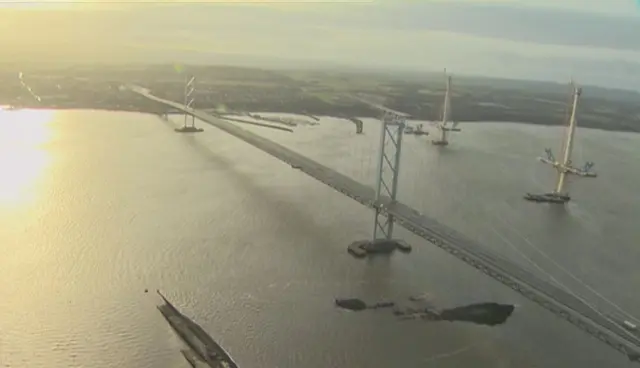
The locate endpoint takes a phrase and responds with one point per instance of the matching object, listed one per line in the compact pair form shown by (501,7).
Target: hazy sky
(594,40)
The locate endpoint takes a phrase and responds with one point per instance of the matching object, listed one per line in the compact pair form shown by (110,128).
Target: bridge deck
(552,298)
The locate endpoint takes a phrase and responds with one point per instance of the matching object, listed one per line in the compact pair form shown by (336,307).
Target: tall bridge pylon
(443,126)
(564,167)
(189,101)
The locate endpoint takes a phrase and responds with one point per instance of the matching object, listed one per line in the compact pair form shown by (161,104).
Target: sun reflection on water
(23,157)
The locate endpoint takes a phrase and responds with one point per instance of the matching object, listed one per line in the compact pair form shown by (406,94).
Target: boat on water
(440,143)
(206,351)
(418,130)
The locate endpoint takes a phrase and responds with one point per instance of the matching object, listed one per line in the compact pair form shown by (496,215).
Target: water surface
(97,206)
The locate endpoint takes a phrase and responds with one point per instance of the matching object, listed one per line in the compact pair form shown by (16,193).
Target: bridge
(382,199)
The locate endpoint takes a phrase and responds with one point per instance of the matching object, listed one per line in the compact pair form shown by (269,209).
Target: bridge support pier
(358,123)
(386,187)
(189,99)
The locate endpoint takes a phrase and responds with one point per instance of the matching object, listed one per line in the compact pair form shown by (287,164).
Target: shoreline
(312,93)
(151,111)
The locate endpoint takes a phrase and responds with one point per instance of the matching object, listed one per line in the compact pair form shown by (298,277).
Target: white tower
(564,167)
(442,125)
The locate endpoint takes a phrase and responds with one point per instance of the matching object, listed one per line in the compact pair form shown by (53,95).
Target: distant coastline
(319,94)
(303,115)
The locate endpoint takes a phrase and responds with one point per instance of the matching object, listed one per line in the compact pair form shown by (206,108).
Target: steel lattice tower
(386,184)
(189,100)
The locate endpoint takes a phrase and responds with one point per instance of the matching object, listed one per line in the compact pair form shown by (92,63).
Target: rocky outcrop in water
(357,305)
(486,314)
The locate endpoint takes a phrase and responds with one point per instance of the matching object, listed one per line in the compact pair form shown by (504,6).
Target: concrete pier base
(188,129)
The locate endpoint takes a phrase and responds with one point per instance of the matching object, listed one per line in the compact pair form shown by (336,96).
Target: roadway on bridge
(562,303)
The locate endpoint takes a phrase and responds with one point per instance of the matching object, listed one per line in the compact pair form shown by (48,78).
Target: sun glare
(23,158)
(36,5)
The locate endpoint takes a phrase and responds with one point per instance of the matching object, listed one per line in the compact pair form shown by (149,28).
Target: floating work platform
(588,174)
(189,129)
(415,130)
(419,132)
(363,248)
(547,198)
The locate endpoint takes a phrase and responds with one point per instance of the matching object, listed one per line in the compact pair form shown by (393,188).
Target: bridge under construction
(382,199)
